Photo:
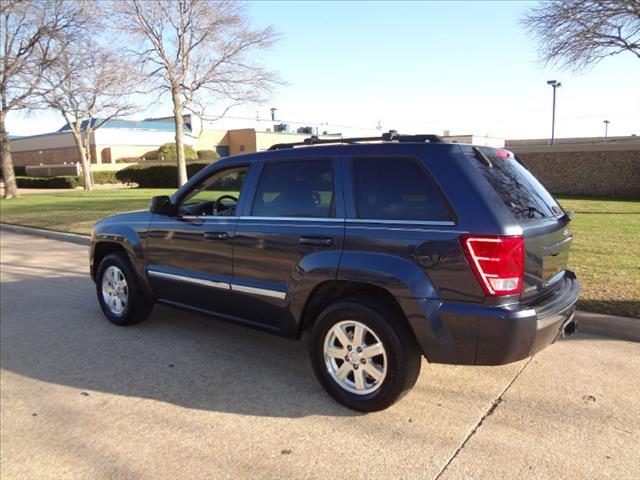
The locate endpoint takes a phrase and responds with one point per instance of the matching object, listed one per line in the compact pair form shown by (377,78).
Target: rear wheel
(363,354)
(120,297)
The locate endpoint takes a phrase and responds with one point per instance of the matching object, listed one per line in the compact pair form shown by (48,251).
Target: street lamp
(555,84)
(606,129)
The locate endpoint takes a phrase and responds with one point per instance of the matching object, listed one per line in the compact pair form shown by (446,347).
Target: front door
(293,229)
(190,254)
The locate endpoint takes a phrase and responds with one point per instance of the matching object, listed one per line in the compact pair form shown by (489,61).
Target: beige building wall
(267,139)
(210,139)
(242,141)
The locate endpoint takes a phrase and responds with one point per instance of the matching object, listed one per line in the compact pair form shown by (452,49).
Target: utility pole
(555,84)
(606,130)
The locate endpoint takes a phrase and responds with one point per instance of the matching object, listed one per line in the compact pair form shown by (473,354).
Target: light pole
(555,84)
(606,129)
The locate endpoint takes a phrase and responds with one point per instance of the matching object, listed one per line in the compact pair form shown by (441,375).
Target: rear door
(545,225)
(294,225)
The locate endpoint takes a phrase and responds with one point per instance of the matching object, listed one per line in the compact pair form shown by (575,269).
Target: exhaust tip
(570,328)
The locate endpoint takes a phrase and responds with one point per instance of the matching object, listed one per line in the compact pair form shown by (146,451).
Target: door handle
(319,241)
(216,235)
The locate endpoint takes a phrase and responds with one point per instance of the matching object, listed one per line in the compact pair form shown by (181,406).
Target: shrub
(168,152)
(128,159)
(150,155)
(158,175)
(47,182)
(208,155)
(103,177)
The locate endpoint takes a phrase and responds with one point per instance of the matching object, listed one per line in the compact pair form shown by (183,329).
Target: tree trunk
(85,161)
(10,187)
(177,115)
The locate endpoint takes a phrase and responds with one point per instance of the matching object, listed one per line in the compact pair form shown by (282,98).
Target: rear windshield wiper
(531,211)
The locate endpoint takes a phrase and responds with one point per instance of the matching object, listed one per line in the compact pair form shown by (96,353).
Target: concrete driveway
(184,396)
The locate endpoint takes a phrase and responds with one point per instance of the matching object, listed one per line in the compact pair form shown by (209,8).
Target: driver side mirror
(161,205)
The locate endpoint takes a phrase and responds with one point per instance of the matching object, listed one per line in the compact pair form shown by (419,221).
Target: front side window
(396,189)
(216,195)
(295,189)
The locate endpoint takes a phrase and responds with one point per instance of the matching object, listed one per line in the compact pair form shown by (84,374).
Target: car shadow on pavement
(52,330)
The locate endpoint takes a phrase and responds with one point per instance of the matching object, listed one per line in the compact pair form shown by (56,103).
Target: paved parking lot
(184,396)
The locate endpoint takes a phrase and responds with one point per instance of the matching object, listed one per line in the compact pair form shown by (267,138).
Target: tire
(130,304)
(397,368)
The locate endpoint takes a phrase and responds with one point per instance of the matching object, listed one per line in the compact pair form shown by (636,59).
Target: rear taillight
(497,261)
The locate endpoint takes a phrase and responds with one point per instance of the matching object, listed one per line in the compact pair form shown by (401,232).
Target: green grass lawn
(74,211)
(605,253)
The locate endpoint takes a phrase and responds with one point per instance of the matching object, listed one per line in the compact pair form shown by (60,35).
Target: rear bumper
(471,334)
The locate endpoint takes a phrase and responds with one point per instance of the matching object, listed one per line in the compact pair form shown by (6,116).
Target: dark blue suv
(383,249)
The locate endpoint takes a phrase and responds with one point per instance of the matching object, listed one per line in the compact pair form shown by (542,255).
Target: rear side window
(519,189)
(295,189)
(396,189)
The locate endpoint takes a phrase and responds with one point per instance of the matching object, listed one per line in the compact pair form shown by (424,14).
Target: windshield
(519,189)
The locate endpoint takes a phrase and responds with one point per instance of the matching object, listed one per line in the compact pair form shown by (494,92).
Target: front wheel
(121,299)
(363,354)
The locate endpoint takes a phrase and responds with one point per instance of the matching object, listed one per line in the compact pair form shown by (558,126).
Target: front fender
(130,238)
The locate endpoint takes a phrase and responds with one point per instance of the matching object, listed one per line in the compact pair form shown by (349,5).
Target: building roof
(132,125)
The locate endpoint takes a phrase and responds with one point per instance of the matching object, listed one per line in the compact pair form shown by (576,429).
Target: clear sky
(467,67)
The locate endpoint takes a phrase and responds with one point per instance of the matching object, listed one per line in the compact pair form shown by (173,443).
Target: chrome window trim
(221,285)
(208,217)
(447,223)
(195,281)
(258,291)
(405,222)
(290,219)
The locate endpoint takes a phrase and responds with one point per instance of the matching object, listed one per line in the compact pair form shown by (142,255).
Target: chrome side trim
(195,281)
(259,291)
(401,222)
(221,285)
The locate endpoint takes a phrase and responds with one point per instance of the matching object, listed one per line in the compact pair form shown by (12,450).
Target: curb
(624,328)
(608,325)
(51,234)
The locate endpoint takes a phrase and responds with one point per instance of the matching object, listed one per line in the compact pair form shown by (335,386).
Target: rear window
(519,189)
(295,189)
(396,189)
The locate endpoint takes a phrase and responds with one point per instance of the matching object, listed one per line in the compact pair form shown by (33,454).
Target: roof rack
(390,136)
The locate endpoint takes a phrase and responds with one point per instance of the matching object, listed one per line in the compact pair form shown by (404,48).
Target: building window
(242,148)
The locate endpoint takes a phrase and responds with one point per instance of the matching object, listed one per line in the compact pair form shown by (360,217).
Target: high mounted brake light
(501,153)
(497,262)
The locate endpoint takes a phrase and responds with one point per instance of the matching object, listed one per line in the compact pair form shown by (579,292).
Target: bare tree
(579,33)
(198,52)
(29,32)
(89,85)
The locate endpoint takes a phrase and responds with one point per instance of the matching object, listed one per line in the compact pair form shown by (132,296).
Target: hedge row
(102,177)
(99,178)
(163,175)
(208,155)
(47,182)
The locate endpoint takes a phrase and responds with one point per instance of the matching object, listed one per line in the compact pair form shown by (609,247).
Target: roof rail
(390,136)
